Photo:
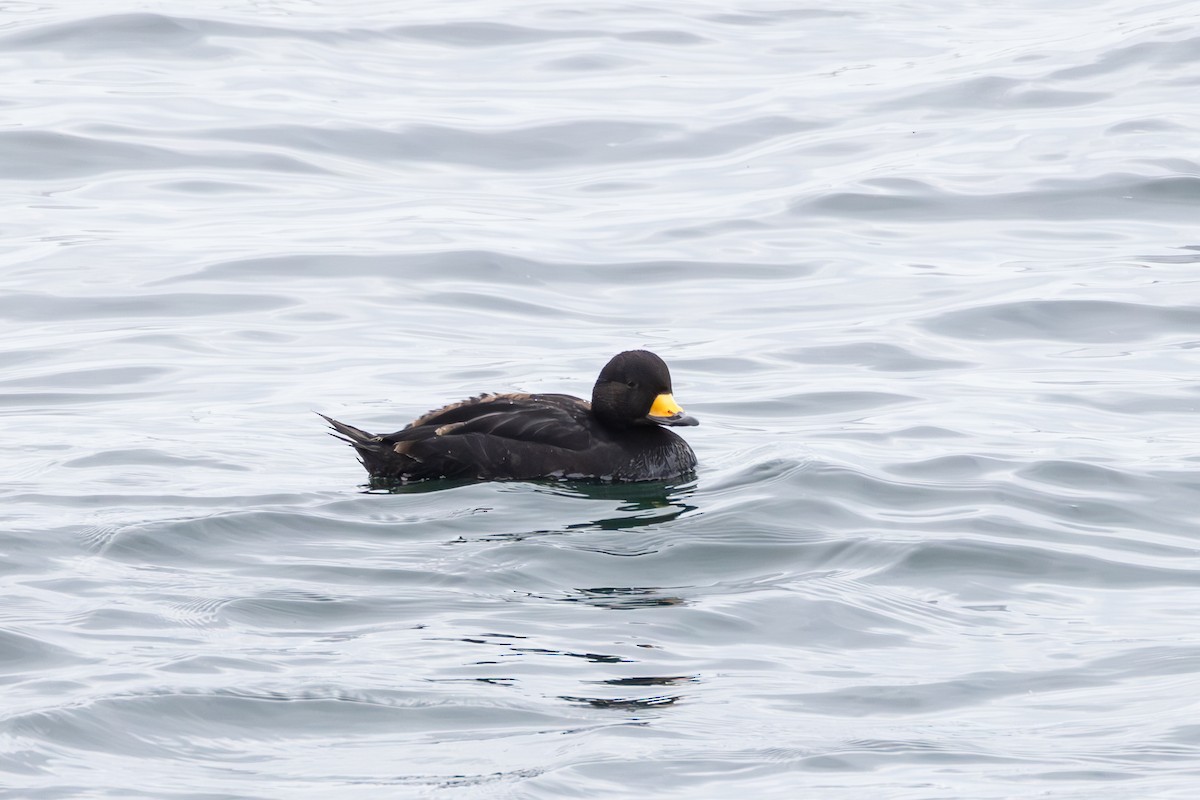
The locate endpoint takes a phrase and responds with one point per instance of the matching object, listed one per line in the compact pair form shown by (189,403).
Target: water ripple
(925,273)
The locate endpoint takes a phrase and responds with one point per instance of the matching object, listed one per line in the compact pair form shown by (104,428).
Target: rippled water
(926,272)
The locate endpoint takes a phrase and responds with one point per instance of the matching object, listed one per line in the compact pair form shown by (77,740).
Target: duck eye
(632,384)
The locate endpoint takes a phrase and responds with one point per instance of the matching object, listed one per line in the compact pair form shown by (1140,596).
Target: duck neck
(606,407)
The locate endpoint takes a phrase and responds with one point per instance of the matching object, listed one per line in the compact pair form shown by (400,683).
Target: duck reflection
(641,504)
(635,703)
(624,703)
(378,486)
(637,506)
(622,598)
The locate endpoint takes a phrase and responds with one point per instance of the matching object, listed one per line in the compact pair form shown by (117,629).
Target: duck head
(634,388)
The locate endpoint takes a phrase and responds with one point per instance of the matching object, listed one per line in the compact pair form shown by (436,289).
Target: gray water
(926,273)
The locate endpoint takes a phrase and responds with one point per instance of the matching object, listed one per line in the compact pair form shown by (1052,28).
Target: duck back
(519,437)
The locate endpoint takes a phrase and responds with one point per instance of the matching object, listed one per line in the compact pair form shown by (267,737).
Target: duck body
(618,436)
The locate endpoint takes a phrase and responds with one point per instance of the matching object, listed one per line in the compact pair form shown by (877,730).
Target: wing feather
(555,420)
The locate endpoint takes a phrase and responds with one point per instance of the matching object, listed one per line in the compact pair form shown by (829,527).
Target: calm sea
(927,272)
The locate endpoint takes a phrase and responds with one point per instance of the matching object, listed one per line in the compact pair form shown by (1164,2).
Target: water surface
(925,272)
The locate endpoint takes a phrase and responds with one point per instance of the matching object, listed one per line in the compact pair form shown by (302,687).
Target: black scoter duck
(618,436)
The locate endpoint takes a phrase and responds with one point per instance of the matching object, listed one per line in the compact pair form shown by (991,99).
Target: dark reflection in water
(596,658)
(498,639)
(489,681)
(382,486)
(640,495)
(624,703)
(672,680)
(641,504)
(621,598)
(627,703)
(637,504)
(651,496)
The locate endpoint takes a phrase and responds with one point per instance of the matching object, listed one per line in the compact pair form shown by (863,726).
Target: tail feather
(380,459)
(349,433)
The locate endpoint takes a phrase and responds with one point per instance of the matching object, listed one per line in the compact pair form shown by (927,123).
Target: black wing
(552,420)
